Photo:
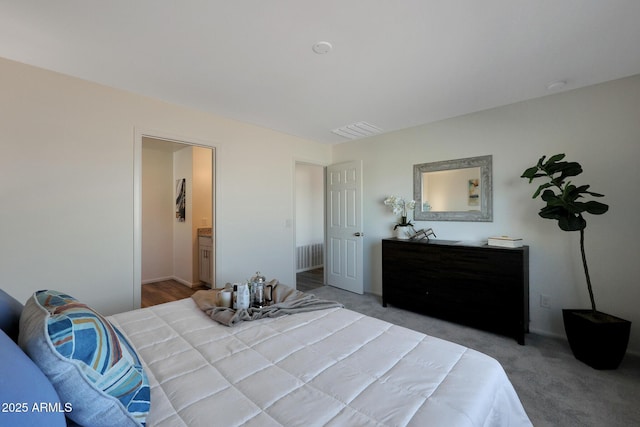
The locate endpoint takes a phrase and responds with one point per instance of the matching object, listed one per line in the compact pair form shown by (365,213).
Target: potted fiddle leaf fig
(598,339)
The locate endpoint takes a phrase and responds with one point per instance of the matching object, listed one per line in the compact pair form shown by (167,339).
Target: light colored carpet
(554,387)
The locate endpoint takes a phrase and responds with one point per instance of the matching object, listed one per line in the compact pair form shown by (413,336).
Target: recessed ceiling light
(322,47)
(558,84)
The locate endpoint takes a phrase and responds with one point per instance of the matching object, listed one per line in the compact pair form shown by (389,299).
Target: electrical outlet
(545,301)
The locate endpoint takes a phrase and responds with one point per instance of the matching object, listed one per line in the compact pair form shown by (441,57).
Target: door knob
(358,234)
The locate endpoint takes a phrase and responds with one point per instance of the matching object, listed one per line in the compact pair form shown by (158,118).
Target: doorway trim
(139,134)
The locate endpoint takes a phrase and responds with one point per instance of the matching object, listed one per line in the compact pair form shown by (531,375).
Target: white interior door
(344,226)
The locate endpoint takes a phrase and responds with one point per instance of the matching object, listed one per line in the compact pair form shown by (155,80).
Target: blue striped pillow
(88,361)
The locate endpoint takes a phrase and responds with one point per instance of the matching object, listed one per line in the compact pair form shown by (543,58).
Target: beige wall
(309,204)
(183,232)
(67,187)
(598,126)
(158,207)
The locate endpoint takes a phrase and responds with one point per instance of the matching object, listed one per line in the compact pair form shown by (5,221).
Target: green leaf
(581,189)
(553,212)
(556,157)
(572,223)
(542,187)
(577,207)
(530,173)
(548,195)
(596,208)
(591,193)
(572,193)
(565,168)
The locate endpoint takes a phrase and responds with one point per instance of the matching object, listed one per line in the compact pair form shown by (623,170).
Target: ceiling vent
(357,130)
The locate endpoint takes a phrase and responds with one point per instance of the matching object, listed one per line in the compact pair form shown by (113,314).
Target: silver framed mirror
(454,190)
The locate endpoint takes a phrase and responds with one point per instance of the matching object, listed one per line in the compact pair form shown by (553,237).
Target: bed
(332,367)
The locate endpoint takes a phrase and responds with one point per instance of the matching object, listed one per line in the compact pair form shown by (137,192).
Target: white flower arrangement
(399,206)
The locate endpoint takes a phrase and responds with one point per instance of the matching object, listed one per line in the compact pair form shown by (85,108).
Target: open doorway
(309,225)
(171,235)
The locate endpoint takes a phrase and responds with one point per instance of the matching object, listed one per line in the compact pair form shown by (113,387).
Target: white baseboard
(184,282)
(157,279)
(177,279)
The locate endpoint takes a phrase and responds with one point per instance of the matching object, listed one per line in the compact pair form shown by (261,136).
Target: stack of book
(505,242)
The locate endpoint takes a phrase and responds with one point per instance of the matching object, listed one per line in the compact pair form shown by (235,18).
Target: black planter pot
(599,340)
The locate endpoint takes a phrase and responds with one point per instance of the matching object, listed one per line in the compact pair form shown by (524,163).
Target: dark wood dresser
(486,287)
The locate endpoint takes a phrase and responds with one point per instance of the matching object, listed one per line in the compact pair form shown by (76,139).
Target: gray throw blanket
(285,300)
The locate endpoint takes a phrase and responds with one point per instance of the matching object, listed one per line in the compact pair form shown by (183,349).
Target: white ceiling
(394,63)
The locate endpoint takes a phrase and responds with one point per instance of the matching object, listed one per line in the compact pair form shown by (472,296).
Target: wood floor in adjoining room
(166,291)
(310,279)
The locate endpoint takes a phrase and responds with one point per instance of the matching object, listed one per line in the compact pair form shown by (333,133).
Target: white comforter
(331,367)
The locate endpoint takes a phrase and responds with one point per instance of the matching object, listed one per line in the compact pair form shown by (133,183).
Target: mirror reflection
(454,190)
(451,190)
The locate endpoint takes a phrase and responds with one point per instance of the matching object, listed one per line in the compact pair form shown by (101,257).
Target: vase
(403,232)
